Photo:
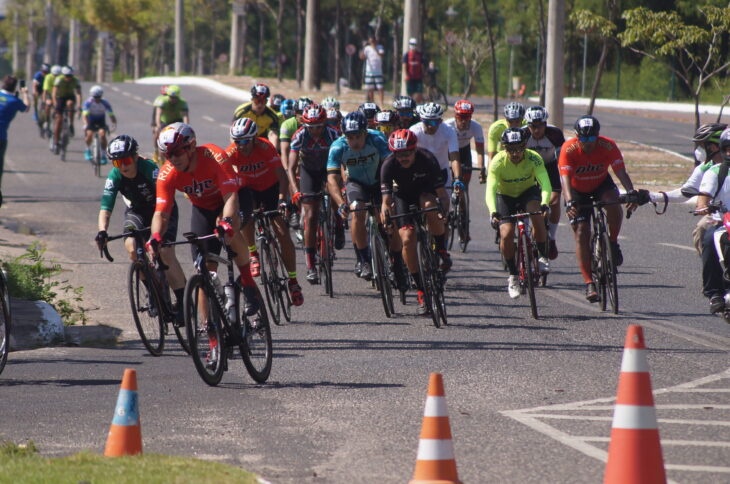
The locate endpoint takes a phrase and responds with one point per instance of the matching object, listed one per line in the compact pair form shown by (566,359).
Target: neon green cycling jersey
(48,83)
(494,135)
(512,179)
(171,111)
(66,86)
(288,128)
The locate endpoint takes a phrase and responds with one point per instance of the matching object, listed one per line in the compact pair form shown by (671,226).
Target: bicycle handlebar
(519,216)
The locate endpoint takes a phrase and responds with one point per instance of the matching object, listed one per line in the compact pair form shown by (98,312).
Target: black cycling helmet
(354,122)
(709,132)
(276,100)
(587,126)
(515,137)
(121,147)
(369,110)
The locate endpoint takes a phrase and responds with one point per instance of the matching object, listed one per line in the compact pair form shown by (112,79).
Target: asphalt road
(529,400)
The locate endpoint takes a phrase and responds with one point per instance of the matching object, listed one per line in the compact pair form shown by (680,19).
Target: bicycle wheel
(146,309)
(426,267)
(325,258)
(96,155)
(439,295)
(180,332)
(204,331)
(598,267)
(528,259)
(281,277)
(380,263)
(256,347)
(4,323)
(268,280)
(609,274)
(462,221)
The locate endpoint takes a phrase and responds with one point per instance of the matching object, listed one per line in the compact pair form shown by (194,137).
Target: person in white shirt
(372,54)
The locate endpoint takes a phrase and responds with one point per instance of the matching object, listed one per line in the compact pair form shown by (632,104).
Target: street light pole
(585,58)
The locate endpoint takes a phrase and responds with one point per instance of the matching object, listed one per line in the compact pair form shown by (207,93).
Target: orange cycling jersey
(212,179)
(588,170)
(256,170)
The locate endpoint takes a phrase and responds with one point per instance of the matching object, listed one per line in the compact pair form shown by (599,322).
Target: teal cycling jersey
(361,166)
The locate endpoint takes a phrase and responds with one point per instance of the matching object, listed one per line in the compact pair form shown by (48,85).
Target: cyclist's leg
(58,119)
(71,108)
(247,200)
(310,186)
(437,227)
(357,196)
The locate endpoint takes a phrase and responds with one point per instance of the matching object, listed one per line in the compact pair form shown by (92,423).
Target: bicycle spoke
(146,310)
(256,347)
(203,325)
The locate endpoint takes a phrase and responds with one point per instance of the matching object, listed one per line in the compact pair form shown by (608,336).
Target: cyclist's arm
(479,148)
(334,184)
(291,171)
(104,217)
(158,117)
(186,117)
(490,194)
(623,176)
(455,164)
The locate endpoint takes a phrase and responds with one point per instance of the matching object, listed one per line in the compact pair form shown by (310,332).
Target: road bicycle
(326,242)
(44,124)
(432,276)
(5,320)
(96,153)
(214,323)
(64,135)
(149,295)
(459,219)
(274,276)
(528,269)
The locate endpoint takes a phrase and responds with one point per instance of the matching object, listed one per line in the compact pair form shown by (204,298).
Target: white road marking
(677,246)
(208,118)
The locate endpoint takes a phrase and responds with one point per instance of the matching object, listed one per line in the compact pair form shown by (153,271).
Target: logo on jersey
(198,187)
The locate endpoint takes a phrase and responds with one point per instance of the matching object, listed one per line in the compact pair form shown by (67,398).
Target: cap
(412,41)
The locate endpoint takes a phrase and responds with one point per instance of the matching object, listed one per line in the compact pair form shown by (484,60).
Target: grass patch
(33,278)
(22,463)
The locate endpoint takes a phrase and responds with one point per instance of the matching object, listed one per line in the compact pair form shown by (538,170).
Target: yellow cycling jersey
(494,135)
(512,179)
(266,121)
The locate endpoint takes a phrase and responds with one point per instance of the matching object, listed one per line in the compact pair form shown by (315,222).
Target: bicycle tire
(96,155)
(528,259)
(425,266)
(600,264)
(439,283)
(146,309)
(462,222)
(282,276)
(5,322)
(180,331)
(268,280)
(379,254)
(204,331)
(325,257)
(256,347)
(451,223)
(610,274)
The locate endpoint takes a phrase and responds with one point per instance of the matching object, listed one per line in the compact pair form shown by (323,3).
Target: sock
(246,279)
(552,230)
(309,256)
(512,266)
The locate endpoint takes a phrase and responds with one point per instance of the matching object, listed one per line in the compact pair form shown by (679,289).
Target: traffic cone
(435,463)
(634,453)
(125,434)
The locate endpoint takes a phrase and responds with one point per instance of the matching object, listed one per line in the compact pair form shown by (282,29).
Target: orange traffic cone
(125,434)
(634,453)
(435,463)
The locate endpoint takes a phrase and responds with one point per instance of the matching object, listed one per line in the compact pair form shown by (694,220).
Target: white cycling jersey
(464,137)
(441,143)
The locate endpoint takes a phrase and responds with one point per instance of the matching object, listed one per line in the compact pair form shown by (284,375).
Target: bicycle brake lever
(106,254)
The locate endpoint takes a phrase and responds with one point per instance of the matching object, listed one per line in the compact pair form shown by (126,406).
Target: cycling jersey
(441,143)
(267,121)
(708,187)
(549,145)
(464,137)
(512,179)
(48,82)
(288,128)
(313,152)
(138,192)
(588,170)
(171,111)
(423,176)
(361,166)
(10,105)
(494,135)
(96,110)
(66,87)
(257,170)
(212,179)
(38,79)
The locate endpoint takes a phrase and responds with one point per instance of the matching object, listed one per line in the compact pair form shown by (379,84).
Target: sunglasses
(431,123)
(463,118)
(405,114)
(126,161)
(514,150)
(403,155)
(587,139)
(176,153)
(243,142)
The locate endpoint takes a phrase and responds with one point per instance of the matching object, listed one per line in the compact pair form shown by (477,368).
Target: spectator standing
(372,54)
(9,106)
(414,65)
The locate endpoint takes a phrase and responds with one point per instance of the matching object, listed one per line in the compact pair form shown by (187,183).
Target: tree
(692,52)
(472,49)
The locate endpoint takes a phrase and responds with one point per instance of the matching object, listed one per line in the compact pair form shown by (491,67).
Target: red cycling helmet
(463,108)
(314,115)
(402,140)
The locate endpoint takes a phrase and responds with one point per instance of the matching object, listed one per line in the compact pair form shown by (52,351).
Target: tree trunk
(280,41)
(599,73)
(488,24)
(300,30)
(338,45)
(311,47)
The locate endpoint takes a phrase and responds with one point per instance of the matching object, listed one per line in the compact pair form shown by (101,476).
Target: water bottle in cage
(230,301)
(217,285)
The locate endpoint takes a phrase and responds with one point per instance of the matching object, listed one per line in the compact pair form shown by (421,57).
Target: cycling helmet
(243,128)
(45,67)
(314,115)
(67,71)
(369,109)
(122,146)
(260,90)
(404,103)
(173,90)
(96,91)
(514,110)
(333,117)
(464,108)
(287,107)
(175,137)
(330,103)
(56,70)
(354,122)
(302,104)
(386,117)
(276,100)
(402,140)
(516,137)
(536,114)
(587,126)
(709,132)
(430,111)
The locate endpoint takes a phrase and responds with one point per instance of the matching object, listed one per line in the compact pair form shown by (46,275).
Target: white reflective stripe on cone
(435,407)
(634,361)
(634,417)
(435,449)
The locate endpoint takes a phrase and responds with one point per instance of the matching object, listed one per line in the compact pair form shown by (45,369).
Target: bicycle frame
(528,269)
(274,275)
(603,265)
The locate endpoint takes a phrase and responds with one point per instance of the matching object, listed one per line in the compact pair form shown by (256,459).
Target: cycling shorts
(311,182)
(203,222)
(584,214)
(250,200)
(356,191)
(403,204)
(507,205)
(554,175)
(143,219)
(62,101)
(97,125)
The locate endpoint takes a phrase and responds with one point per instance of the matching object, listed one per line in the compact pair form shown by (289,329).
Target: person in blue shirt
(10,105)
(360,151)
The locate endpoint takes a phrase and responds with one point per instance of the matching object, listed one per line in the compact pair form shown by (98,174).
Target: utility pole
(237,14)
(49,55)
(311,47)
(411,28)
(179,45)
(554,76)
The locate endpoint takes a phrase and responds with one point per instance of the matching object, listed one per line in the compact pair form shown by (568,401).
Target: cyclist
(514,113)
(47,97)
(266,118)
(412,176)
(66,96)
(158,100)
(334,115)
(135,178)
(546,140)
(170,108)
(286,110)
(466,129)
(518,182)
(369,110)
(37,91)
(405,106)
(584,161)
(440,139)
(94,111)
(310,147)
(289,127)
(714,278)
(360,152)
(275,104)
(264,184)
(386,122)
(207,178)
(10,105)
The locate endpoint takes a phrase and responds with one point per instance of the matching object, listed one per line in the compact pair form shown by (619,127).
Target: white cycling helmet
(56,70)
(96,91)
(243,128)
(430,111)
(67,70)
(536,114)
